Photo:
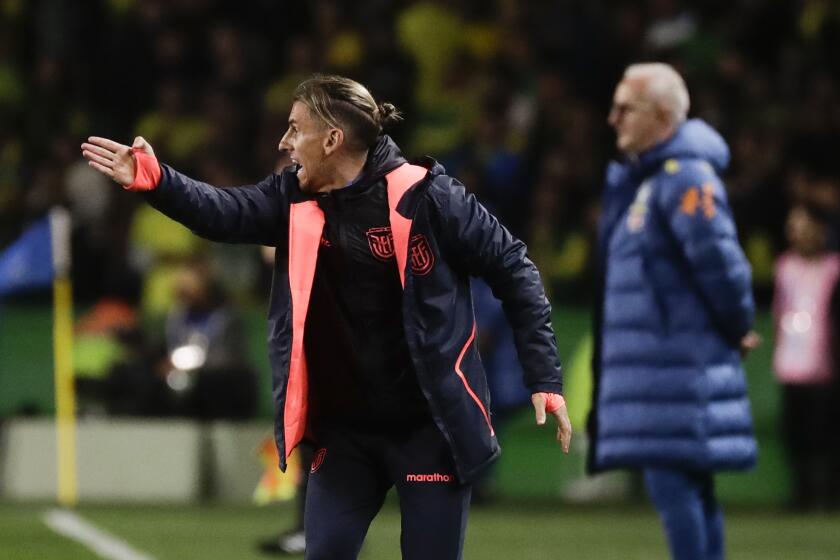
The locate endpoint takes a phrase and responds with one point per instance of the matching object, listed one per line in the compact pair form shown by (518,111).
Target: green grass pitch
(520,530)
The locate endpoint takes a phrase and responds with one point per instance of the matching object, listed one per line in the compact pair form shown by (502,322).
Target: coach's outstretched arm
(237,215)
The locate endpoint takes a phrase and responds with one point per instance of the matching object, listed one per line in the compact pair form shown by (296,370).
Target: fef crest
(420,255)
(381,243)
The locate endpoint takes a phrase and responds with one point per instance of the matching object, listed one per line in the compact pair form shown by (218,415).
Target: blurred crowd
(510,95)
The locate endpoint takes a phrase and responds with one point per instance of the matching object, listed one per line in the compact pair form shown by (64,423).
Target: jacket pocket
(467,387)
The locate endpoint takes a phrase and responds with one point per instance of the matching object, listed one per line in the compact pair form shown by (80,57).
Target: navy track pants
(352,472)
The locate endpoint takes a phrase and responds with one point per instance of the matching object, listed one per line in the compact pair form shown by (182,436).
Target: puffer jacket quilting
(677,299)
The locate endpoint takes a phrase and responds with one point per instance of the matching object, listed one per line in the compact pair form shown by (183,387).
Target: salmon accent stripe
(466,383)
(306,224)
(399,181)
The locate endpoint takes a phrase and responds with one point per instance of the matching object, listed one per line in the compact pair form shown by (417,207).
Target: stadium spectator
(205,62)
(371,327)
(834,500)
(206,362)
(675,312)
(806,276)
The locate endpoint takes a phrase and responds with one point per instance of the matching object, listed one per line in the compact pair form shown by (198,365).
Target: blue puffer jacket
(676,300)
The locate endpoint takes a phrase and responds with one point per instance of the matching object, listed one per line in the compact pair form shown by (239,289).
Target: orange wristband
(553,401)
(147,175)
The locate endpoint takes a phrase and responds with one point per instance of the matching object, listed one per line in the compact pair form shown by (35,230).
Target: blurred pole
(65,395)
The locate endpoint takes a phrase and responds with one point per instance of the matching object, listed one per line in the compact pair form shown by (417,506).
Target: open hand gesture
(114,159)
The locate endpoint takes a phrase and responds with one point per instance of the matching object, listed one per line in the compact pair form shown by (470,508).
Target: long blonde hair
(346,104)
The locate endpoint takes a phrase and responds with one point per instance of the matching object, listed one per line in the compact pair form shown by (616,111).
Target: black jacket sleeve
(248,214)
(487,249)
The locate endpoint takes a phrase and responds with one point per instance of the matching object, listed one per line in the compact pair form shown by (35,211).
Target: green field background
(531,466)
(524,531)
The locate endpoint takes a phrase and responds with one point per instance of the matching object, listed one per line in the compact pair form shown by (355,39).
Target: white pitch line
(106,546)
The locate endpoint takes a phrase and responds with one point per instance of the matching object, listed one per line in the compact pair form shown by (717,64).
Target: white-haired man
(674,313)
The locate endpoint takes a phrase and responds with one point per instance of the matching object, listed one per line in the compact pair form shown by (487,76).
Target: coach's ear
(334,140)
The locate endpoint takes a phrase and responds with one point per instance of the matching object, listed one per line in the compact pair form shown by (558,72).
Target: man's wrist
(147,172)
(553,401)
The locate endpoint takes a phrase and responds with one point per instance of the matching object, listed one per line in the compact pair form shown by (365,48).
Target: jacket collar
(693,139)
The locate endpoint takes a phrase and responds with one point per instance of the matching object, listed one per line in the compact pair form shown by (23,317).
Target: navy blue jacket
(453,237)
(675,302)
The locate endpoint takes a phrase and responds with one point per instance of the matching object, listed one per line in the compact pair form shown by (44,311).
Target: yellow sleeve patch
(672,166)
